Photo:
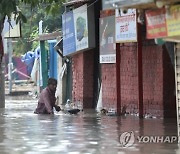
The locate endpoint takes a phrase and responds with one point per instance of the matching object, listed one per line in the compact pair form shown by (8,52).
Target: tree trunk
(1,49)
(1,41)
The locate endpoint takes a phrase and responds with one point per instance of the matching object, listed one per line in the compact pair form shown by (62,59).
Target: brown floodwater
(22,132)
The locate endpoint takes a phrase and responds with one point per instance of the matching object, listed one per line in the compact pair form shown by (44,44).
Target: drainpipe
(140,70)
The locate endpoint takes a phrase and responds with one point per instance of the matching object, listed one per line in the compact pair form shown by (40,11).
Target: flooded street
(22,132)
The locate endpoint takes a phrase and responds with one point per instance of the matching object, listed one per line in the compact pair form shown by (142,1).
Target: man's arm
(57,108)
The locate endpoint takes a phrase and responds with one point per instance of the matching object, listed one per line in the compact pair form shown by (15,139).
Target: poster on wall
(156,23)
(107,40)
(126,26)
(78,34)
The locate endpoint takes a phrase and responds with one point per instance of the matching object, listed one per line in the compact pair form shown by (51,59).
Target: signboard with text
(163,23)
(173,20)
(156,23)
(126,26)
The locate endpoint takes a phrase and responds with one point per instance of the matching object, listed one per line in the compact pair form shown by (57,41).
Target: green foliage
(30,12)
(7,7)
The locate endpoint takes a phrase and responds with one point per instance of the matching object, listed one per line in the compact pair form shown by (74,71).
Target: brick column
(82,71)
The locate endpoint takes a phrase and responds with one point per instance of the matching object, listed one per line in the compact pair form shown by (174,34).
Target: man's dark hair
(52,81)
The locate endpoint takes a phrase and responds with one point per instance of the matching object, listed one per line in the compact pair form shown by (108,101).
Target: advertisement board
(76,35)
(156,23)
(163,23)
(107,40)
(69,44)
(81,27)
(173,20)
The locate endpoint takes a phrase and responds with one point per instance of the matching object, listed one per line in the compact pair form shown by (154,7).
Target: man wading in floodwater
(47,99)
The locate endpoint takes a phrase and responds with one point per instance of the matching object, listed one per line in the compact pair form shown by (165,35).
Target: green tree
(29,29)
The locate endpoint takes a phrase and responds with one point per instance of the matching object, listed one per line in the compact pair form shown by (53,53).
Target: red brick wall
(88,79)
(128,73)
(77,77)
(153,79)
(158,80)
(108,76)
(82,70)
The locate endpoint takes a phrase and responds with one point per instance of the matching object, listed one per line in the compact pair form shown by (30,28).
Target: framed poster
(107,40)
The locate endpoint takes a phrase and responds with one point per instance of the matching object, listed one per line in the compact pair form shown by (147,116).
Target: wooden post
(140,71)
(2,86)
(44,64)
(118,79)
(2,80)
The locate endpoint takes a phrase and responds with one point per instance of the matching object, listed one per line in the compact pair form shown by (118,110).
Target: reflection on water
(22,132)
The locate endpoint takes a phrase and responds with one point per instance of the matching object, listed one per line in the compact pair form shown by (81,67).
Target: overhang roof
(49,36)
(72,2)
(139,4)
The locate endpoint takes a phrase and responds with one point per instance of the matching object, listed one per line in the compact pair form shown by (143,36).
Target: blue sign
(69,45)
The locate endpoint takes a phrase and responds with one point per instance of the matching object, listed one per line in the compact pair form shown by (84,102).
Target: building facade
(141,80)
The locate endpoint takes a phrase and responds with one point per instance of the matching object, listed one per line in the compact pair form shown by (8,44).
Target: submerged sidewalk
(19,87)
(22,132)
